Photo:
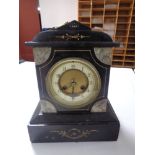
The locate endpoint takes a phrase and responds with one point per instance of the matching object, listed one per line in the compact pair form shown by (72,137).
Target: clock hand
(73,83)
(72,89)
(69,85)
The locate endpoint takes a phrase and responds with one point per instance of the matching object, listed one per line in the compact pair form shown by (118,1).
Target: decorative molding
(104,55)
(47,107)
(74,133)
(73,25)
(69,37)
(41,54)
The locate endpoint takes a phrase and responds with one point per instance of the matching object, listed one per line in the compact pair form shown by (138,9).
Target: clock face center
(73,82)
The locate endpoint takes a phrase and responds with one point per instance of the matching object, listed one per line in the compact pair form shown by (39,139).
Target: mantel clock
(73,67)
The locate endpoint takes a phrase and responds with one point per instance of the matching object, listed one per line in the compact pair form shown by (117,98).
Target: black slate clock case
(73,40)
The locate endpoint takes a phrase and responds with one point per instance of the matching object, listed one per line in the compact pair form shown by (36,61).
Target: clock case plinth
(72,40)
(74,127)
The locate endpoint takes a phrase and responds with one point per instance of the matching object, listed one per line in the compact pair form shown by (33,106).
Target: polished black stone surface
(72,34)
(71,127)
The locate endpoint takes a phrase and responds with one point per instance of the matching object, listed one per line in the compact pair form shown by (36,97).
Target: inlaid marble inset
(104,55)
(41,54)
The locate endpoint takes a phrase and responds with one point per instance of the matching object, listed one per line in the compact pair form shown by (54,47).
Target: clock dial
(73,83)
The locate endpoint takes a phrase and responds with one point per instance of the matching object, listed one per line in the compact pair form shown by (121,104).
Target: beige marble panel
(41,54)
(104,55)
(47,107)
(100,106)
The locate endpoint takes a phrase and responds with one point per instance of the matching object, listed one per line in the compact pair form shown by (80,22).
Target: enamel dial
(73,83)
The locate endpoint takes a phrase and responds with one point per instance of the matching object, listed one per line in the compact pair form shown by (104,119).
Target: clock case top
(72,34)
(72,40)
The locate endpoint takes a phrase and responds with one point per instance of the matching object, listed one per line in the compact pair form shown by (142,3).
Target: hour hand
(72,89)
(66,86)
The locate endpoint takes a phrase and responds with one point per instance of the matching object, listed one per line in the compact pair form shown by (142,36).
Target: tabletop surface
(121,96)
